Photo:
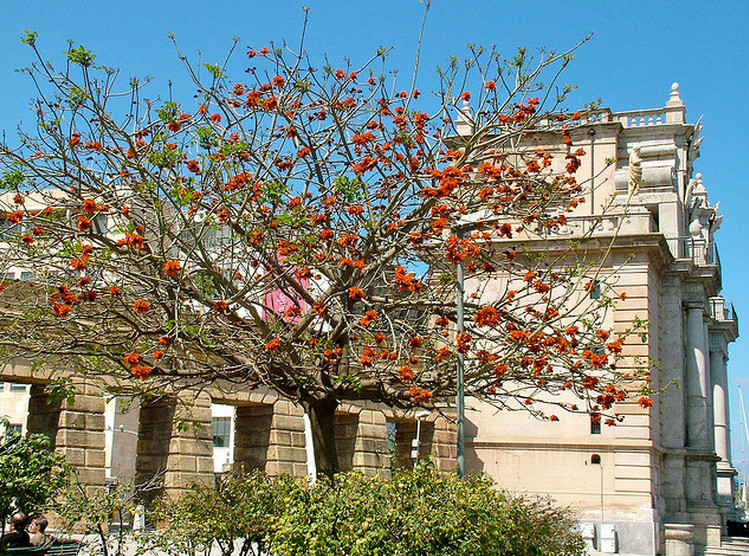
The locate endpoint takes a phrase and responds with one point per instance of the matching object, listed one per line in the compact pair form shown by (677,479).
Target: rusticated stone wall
(175,437)
(75,428)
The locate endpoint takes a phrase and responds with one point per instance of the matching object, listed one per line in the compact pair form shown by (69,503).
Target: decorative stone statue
(635,171)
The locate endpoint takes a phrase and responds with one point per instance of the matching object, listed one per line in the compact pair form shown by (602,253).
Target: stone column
(175,443)
(371,446)
(445,444)
(252,426)
(75,429)
(698,436)
(721,419)
(700,457)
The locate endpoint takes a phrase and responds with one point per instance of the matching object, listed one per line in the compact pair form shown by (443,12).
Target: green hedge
(417,513)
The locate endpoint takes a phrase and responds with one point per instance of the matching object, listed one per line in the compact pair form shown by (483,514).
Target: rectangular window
(221,431)
(15,428)
(26,275)
(595,423)
(15,387)
(99,223)
(595,290)
(8,230)
(7,275)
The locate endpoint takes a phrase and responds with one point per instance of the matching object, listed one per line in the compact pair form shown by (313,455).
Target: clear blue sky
(638,49)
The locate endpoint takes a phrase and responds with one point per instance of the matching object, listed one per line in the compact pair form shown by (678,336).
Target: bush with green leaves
(416,513)
(93,510)
(245,508)
(30,473)
(421,513)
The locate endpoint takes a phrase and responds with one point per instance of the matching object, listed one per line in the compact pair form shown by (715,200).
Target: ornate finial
(635,171)
(675,98)
(699,187)
(464,123)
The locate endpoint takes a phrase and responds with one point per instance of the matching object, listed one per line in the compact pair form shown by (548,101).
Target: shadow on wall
(474,464)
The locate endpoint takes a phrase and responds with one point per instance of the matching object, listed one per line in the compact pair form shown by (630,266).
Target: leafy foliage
(417,513)
(30,474)
(244,507)
(91,511)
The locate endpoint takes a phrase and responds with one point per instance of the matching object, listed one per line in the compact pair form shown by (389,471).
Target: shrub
(421,513)
(243,507)
(30,474)
(416,513)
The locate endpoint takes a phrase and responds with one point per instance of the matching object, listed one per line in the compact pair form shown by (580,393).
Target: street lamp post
(460,402)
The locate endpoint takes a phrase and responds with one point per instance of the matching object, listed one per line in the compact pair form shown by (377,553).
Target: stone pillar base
(725,493)
(707,526)
(679,539)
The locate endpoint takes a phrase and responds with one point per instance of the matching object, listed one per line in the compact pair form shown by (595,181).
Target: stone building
(660,482)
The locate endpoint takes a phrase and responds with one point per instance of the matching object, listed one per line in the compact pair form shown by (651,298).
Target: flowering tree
(300,229)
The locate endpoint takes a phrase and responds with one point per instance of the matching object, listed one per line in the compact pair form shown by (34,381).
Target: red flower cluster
(171,268)
(487,316)
(406,373)
(463,342)
(61,310)
(141,306)
(406,281)
(355,293)
(419,395)
(368,357)
(273,345)
(368,318)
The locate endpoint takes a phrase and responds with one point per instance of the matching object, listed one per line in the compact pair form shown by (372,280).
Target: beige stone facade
(168,441)
(658,483)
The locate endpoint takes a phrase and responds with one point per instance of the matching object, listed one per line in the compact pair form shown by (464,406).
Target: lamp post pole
(460,402)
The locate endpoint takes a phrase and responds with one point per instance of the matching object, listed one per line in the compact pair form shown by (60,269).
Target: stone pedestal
(636,219)
(679,539)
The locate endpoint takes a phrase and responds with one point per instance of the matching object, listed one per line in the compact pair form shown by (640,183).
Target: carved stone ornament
(635,171)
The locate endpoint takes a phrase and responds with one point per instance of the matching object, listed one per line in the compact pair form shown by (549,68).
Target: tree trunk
(322,422)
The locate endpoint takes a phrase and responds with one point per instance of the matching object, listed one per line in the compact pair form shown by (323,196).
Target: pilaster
(672,402)
(175,443)
(75,428)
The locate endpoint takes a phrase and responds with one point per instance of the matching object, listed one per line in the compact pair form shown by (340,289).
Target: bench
(64,549)
(24,551)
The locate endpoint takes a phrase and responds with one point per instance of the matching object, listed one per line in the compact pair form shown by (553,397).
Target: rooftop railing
(720,311)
